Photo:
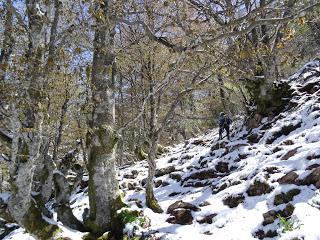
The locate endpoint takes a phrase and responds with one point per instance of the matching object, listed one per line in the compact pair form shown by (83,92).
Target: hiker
(224,124)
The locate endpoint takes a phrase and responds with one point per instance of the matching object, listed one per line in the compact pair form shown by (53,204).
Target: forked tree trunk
(29,142)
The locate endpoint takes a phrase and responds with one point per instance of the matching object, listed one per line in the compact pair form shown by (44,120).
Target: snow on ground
(283,155)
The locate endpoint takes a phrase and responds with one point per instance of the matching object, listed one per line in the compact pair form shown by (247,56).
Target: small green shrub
(288,224)
(128,216)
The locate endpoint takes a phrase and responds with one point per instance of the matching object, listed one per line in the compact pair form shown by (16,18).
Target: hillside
(212,189)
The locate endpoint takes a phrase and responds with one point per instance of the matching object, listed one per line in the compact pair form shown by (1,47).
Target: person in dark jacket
(224,124)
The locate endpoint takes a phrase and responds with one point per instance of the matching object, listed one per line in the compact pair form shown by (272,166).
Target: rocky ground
(260,185)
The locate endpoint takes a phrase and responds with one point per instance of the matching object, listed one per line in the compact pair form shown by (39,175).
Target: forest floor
(260,185)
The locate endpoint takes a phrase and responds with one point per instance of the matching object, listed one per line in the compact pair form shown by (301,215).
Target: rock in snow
(242,186)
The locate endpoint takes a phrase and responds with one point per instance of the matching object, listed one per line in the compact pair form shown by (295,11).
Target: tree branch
(259,22)
(158,88)
(178,98)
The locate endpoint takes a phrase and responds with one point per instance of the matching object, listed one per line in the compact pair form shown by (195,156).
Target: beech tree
(101,137)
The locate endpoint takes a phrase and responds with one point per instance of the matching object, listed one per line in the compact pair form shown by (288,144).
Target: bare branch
(178,98)
(157,89)
(259,22)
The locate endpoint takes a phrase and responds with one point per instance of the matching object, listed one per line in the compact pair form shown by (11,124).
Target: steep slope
(242,186)
(240,189)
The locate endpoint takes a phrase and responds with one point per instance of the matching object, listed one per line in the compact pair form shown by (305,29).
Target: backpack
(224,120)
(228,120)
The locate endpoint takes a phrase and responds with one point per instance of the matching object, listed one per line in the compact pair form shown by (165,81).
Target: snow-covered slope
(250,174)
(239,189)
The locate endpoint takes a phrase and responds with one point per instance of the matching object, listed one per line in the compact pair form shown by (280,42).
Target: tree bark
(29,141)
(102,138)
(8,41)
(58,138)
(151,200)
(222,93)
(62,202)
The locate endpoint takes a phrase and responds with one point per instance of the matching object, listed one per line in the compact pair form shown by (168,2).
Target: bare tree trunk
(58,138)
(8,40)
(29,142)
(102,138)
(151,200)
(121,122)
(222,93)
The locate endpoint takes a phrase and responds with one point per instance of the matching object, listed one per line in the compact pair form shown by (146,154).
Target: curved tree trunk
(151,201)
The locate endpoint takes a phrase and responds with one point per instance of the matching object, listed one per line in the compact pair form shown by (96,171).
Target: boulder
(313,156)
(289,178)
(197,184)
(164,183)
(175,176)
(290,153)
(6,228)
(158,183)
(172,159)
(271,169)
(200,142)
(174,194)
(218,145)
(243,156)
(143,182)
(181,216)
(134,174)
(186,157)
(313,166)
(207,219)
(285,130)
(287,142)
(219,188)
(260,234)
(222,167)
(138,202)
(285,197)
(184,205)
(124,185)
(310,87)
(258,188)
(164,171)
(312,178)
(233,201)
(253,138)
(204,204)
(204,164)
(132,185)
(270,216)
(202,175)
(138,189)
(276,149)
